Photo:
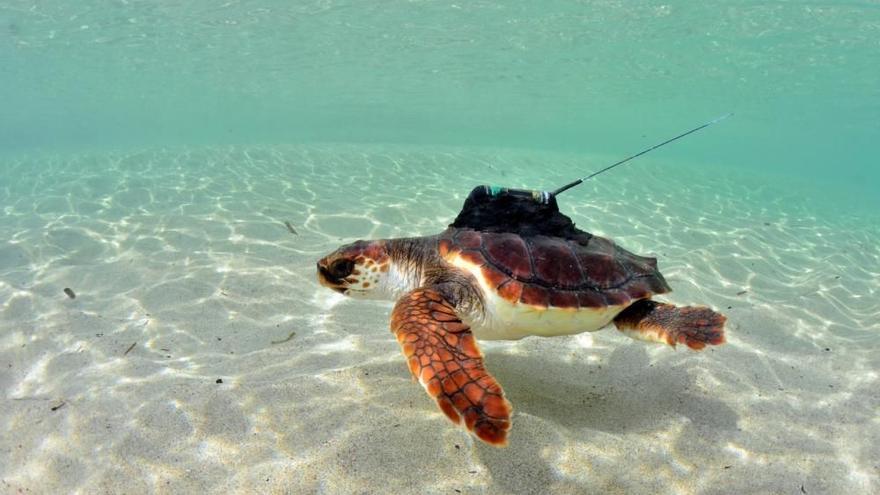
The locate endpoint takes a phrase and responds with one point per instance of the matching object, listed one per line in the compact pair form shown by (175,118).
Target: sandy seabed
(201,356)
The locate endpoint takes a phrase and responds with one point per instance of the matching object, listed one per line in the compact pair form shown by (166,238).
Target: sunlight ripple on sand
(200,354)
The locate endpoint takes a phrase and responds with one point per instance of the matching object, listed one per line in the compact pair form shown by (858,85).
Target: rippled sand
(185,254)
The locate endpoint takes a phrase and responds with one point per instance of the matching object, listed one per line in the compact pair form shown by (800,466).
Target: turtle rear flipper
(694,326)
(443,355)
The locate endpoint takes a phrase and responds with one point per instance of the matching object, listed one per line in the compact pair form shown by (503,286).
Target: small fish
(59,406)
(741,292)
(69,292)
(290,228)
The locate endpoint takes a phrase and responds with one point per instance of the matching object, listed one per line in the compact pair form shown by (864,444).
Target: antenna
(652,148)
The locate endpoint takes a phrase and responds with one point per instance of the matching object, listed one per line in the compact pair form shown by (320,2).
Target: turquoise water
(599,76)
(152,151)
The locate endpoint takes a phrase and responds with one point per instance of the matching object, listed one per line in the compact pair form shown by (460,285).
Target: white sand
(186,254)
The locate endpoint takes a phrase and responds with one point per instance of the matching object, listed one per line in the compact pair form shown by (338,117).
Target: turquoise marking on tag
(495,190)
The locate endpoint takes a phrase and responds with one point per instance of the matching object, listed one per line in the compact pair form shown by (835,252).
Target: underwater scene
(185,308)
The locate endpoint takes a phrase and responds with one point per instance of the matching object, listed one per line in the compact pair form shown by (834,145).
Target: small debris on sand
(219,380)
(70,293)
(275,342)
(59,406)
(129,349)
(741,292)
(290,228)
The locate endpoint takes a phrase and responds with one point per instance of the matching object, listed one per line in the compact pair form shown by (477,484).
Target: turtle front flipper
(657,322)
(443,355)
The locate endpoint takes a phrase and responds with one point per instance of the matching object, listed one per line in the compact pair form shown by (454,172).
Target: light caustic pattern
(186,254)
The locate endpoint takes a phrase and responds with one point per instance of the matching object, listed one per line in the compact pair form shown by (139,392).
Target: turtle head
(360,269)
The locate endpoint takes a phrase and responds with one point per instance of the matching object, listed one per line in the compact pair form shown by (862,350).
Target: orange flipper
(443,355)
(693,326)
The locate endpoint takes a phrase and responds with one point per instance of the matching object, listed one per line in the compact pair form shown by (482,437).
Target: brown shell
(552,271)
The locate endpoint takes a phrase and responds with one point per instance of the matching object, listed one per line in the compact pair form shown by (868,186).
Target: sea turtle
(509,266)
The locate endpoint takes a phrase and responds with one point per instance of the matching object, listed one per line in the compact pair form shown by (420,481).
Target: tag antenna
(652,148)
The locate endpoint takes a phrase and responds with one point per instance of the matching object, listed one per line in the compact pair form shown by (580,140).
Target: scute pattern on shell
(551,271)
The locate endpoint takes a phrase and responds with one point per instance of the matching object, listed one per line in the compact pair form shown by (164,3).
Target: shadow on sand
(627,394)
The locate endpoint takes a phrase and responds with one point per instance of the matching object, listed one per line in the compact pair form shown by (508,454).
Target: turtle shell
(551,271)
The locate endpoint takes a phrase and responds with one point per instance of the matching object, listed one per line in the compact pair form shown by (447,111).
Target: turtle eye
(340,269)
